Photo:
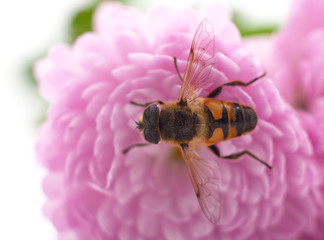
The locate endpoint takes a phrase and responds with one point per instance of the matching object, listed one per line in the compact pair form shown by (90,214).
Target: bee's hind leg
(235,156)
(218,90)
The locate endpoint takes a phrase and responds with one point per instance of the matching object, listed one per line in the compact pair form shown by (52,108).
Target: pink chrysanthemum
(299,54)
(299,50)
(96,192)
(294,59)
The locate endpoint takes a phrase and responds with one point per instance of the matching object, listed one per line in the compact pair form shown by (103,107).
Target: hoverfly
(193,121)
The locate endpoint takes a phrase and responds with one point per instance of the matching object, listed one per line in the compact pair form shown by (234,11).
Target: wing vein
(205,179)
(200,62)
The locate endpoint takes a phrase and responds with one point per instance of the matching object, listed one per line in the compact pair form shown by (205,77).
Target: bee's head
(149,124)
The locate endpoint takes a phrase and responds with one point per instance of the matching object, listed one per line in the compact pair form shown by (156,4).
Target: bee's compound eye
(152,135)
(151,113)
(151,124)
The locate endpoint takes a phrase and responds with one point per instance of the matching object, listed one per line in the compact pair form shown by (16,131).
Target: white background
(28,28)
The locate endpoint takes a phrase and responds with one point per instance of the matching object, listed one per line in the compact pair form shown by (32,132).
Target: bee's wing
(200,62)
(206,182)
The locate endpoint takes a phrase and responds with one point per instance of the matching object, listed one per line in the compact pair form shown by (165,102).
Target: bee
(193,121)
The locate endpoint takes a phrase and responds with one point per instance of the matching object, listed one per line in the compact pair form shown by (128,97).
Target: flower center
(176,154)
(300,102)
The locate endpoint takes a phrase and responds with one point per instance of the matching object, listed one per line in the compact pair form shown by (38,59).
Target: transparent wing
(206,182)
(200,62)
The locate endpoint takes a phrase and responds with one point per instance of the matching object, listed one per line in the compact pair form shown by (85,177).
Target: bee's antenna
(139,125)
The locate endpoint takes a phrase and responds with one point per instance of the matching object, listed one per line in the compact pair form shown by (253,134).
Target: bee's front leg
(126,150)
(177,69)
(147,104)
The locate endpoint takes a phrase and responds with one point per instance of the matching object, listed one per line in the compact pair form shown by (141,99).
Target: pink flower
(96,192)
(300,54)
(294,59)
(299,50)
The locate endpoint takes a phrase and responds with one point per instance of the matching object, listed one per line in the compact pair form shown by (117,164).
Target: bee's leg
(218,90)
(126,150)
(147,104)
(237,155)
(177,69)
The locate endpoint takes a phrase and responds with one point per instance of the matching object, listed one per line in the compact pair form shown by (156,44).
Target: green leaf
(82,21)
(247,27)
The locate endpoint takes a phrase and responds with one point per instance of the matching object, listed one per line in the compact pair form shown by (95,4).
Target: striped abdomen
(226,120)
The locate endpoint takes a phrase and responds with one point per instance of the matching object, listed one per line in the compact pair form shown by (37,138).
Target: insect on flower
(193,121)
